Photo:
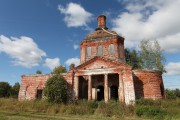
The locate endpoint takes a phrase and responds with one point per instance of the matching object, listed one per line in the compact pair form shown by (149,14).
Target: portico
(99,87)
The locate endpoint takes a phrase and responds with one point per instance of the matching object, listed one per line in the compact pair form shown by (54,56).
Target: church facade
(102,74)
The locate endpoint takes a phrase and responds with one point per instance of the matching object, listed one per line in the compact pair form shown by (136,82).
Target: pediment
(100,62)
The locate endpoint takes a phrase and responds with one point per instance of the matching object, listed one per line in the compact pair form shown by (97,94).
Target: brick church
(102,74)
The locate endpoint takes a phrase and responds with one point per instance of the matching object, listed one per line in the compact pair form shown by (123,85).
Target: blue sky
(42,34)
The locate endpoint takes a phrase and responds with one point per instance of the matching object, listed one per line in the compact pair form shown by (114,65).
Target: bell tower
(102,42)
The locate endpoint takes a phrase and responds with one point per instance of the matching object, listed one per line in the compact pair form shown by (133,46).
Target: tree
(72,66)
(5,89)
(38,72)
(151,55)
(177,92)
(56,89)
(60,69)
(15,90)
(133,59)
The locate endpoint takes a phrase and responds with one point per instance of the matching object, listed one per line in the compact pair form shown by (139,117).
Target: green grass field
(12,109)
(14,115)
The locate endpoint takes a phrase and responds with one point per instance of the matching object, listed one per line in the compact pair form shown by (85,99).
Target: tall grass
(159,109)
(145,108)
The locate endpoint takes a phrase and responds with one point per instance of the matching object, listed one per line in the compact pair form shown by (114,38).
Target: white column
(121,88)
(106,90)
(89,87)
(76,87)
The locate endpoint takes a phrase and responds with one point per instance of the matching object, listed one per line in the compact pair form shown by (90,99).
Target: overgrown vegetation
(59,69)
(38,72)
(144,108)
(150,56)
(6,90)
(56,89)
(133,58)
(172,94)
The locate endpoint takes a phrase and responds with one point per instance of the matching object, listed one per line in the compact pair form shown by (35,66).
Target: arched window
(88,52)
(100,50)
(111,49)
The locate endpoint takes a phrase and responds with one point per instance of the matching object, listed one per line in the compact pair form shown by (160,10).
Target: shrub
(56,89)
(114,108)
(150,111)
(148,102)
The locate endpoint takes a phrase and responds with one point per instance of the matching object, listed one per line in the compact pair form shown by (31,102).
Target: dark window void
(100,50)
(83,88)
(114,92)
(39,94)
(100,93)
(111,49)
(88,52)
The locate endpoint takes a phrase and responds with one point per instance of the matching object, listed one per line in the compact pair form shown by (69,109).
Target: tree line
(6,90)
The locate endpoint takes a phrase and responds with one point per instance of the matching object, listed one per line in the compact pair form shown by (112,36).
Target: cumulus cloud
(150,20)
(75,46)
(51,63)
(75,15)
(24,51)
(173,68)
(75,60)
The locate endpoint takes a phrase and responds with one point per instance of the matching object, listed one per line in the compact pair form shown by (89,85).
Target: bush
(172,94)
(56,89)
(150,111)
(148,102)
(114,108)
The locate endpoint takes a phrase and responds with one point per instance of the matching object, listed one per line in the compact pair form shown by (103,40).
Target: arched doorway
(100,93)
(114,92)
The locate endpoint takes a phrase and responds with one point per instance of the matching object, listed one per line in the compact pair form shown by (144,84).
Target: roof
(101,33)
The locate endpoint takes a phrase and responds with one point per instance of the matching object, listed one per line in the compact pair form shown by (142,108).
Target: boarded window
(100,51)
(88,51)
(111,49)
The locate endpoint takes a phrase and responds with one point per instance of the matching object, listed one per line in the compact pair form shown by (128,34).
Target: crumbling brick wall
(148,84)
(30,84)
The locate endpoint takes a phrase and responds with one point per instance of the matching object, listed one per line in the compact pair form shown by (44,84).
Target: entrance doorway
(100,93)
(114,92)
(83,88)
(39,94)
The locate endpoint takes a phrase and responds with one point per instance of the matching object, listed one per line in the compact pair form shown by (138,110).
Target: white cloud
(75,60)
(51,63)
(75,15)
(75,46)
(173,68)
(24,51)
(150,20)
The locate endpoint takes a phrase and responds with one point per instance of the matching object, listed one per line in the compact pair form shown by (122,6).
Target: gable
(100,62)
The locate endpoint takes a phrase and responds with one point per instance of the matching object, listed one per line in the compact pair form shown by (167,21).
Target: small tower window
(111,49)
(100,50)
(88,52)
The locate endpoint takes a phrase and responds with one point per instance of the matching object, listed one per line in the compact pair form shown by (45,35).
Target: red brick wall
(148,84)
(30,84)
(118,47)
